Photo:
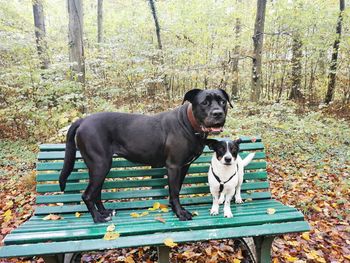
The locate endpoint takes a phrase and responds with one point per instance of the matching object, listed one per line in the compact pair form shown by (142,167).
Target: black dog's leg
(175,178)
(92,195)
(101,208)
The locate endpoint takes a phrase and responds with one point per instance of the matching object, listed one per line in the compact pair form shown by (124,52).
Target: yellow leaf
(236,260)
(135,214)
(163,206)
(77,214)
(306,236)
(111,228)
(169,242)
(271,211)
(144,213)
(8,216)
(291,259)
(8,205)
(165,210)
(111,235)
(347,257)
(156,205)
(8,213)
(129,259)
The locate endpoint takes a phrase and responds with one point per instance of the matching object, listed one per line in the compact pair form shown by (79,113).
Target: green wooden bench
(132,187)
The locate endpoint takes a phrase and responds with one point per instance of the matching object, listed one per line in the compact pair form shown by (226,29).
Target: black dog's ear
(189,96)
(211,143)
(227,97)
(238,141)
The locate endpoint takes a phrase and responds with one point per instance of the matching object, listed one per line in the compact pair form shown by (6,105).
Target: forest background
(144,55)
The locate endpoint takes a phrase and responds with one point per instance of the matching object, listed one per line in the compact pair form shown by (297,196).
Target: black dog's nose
(228,159)
(217,113)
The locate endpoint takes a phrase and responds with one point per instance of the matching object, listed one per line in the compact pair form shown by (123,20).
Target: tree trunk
(154,13)
(235,60)
(75,37)
(258,39)
(295,92)
(40,33)
(334,60)
(99,21)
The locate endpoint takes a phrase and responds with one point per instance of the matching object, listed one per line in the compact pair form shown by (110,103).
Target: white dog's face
(225,151)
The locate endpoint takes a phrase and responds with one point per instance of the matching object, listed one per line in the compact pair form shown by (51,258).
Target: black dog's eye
(222,102)
(205,103)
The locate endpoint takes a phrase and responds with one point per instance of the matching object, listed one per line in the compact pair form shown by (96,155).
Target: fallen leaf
(135,214)
(111,228)
(165,210)
(236,260)
(7,216)
(52,217)
(160,219)
(195,213)
(306,236)
(270,211)
(111,235)
(129,259)
(144,213)
(156,206)
(163,206)
(77,214)
(169,242)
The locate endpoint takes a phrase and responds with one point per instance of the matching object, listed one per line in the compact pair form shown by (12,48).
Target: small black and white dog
(225,174)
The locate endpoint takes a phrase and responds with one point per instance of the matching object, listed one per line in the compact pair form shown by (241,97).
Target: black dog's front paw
(100,218)
(184,215)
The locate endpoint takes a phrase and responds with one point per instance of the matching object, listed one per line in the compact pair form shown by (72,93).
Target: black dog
(172,139)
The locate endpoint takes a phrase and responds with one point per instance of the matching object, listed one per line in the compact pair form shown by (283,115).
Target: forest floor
(308,166)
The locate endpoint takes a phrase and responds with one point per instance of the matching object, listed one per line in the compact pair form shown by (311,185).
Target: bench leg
(263,246)
(163,254)
(58,258)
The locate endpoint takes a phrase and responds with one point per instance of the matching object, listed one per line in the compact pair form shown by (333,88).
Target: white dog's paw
(228,214)
(238,200)
(214,211)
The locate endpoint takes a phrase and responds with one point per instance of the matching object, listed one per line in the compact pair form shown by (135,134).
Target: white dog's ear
(211,143)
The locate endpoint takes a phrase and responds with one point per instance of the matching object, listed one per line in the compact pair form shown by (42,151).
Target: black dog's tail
(69,157)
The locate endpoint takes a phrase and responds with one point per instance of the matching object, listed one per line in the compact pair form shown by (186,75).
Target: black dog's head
(226,150)
(209,108)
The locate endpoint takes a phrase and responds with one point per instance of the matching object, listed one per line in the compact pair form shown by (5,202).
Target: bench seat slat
(145,226)
(140,203)
(70,221)
(154,239)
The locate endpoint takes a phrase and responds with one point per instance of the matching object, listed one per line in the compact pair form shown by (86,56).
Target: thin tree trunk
(40,33)
(295,92)
(236,59)
(258,39)
(154,13)
(334,60)
(99,21)
(75,37)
